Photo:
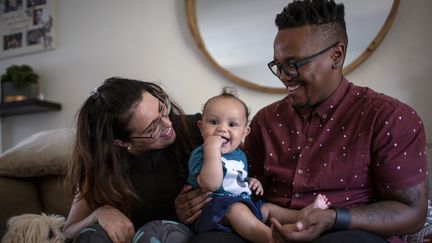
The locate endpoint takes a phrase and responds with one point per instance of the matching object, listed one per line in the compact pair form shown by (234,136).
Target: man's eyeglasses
(156,127)
(291,68)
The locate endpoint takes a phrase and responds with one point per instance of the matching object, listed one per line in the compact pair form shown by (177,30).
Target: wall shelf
(27,106)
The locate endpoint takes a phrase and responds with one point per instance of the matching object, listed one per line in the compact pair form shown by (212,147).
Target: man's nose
(284,78)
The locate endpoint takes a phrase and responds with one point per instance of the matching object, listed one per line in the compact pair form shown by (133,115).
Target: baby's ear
(247,131)
(199,124)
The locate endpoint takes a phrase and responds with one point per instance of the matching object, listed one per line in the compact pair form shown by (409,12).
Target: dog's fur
(34,228)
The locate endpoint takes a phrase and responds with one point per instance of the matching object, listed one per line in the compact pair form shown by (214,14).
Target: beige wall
(149,39)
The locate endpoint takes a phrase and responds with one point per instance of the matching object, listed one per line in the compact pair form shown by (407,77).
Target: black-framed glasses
(156,126)
(291,68)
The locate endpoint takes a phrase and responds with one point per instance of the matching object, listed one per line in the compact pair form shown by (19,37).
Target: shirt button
(297,195)
(310,140)
(324,116)
(300,171)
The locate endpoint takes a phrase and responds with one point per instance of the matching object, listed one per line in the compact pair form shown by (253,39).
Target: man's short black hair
(324,16)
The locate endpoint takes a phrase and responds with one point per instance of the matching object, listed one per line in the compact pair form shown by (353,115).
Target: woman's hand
(189,204)
(255,185)
(118,227)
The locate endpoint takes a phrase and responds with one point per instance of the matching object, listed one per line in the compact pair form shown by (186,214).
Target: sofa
(32,173)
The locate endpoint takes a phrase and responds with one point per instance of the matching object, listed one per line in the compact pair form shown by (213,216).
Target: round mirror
(236,36)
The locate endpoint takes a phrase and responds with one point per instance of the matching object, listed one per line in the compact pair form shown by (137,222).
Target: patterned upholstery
(424,235)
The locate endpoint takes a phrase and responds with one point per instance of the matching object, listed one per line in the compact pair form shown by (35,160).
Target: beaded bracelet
(343,219)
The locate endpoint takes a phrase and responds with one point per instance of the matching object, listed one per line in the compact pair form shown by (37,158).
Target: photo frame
(26,26)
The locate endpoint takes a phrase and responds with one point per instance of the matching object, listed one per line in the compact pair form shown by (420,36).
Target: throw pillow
(43,153)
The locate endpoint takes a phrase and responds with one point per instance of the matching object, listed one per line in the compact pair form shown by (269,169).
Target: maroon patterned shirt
(347,147)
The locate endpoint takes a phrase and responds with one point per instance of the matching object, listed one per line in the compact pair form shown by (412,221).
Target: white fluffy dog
(34,228)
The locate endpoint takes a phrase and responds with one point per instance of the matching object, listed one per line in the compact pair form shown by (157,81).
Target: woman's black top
(159,175)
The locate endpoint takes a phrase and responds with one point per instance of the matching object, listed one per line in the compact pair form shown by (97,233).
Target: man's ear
(121,143)
(339,54)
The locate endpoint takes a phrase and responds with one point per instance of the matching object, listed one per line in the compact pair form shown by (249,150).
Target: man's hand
(308,228)
(117,226)
(189,204)
(279,231)
(255,185)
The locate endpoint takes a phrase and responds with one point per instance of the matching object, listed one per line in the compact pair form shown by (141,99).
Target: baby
(220,166)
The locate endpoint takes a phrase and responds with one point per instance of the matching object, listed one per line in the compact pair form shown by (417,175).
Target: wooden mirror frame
(190,7)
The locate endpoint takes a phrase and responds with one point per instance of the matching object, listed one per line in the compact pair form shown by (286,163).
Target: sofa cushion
(43,153)
(52,193)
(19,196)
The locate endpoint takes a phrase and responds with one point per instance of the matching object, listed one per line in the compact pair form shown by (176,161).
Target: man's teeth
(292,88)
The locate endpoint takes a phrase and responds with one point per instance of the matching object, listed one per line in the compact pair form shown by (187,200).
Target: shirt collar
(326,108)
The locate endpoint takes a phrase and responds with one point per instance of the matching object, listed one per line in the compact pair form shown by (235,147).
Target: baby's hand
(255,185)
(214,142)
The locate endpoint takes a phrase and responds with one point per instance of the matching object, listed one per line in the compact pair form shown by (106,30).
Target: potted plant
(19,83)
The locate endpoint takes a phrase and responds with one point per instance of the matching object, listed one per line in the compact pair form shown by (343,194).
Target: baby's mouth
(225,140)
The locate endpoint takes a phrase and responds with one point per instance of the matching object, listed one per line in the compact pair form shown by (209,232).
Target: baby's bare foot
(321,201)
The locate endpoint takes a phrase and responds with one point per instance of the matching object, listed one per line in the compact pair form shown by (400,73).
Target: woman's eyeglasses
(156,127)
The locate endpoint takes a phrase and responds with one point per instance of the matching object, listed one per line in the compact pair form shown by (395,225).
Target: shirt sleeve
(254,149)
(195,164)
(399,149)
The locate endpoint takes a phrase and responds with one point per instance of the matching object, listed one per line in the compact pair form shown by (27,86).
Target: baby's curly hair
(229,92)
(324,16)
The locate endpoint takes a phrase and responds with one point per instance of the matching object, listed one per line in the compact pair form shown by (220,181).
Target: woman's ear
(121,143)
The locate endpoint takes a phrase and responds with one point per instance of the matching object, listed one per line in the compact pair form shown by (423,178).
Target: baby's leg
(321,202)
(289,216)
(283,215)
(246,224)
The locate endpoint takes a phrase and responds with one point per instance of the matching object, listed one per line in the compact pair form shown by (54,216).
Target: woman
(129,161)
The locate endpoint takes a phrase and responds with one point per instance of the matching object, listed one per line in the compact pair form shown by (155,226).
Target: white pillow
(43,153)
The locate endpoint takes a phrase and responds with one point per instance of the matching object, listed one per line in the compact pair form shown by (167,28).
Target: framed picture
(26,26)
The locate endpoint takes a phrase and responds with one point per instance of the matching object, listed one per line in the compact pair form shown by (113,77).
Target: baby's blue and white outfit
(234,189)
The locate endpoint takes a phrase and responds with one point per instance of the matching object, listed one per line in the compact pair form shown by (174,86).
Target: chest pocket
(344,169)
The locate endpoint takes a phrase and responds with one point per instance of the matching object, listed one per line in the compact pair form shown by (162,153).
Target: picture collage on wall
(26,26)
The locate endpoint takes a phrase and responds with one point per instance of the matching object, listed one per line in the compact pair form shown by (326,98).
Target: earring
(335,64)
(129,148)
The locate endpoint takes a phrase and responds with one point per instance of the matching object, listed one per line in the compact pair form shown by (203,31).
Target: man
(365,151)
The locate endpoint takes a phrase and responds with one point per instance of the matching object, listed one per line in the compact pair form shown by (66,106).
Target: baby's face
(225,117)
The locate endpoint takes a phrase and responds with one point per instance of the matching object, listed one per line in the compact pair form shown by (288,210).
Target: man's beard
(303,105)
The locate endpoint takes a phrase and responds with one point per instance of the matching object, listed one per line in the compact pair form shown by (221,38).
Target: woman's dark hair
(324,16)
(98,172)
